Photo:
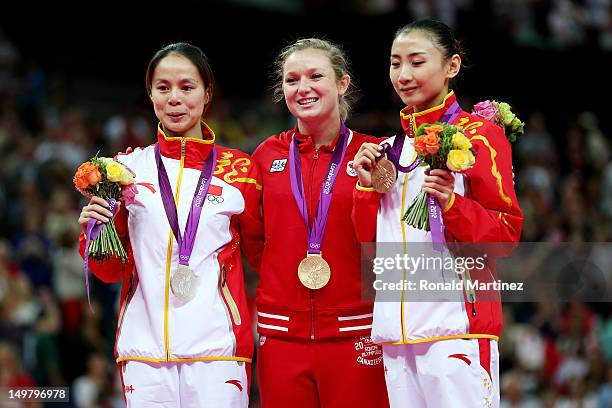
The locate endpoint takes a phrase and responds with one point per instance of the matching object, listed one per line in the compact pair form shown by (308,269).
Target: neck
(435,102)
(322,132)
(193,133)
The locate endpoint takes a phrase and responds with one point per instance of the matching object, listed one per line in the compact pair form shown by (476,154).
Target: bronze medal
(183,283)
(314,271)
(383,175)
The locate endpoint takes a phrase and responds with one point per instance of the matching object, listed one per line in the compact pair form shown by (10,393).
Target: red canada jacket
(285,307)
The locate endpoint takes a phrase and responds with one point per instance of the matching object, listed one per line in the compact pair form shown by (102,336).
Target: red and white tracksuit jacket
(153,326)
(484,208)
(285,307)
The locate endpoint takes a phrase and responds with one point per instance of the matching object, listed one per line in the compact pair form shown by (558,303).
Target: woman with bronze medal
(437,353)
(314,328)
(184,335)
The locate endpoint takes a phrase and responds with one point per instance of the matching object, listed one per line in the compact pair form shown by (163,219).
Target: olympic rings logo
(213,199)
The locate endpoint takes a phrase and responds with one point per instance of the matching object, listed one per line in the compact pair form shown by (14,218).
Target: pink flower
(129,193)
(486,110)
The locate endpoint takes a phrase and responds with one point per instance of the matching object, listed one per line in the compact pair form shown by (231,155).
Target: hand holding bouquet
(440,146)
(106,178)
(501,114)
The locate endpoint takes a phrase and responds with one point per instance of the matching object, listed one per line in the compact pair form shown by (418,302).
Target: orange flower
(433,129)
(419,146)
(87,175)
(427,144)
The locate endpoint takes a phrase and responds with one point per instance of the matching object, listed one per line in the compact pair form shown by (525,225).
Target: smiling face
(179,96)
(310,86)
(419,72)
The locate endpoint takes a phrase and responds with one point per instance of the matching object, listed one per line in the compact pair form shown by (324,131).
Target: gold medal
(183,283)
(383,175)
(314,271)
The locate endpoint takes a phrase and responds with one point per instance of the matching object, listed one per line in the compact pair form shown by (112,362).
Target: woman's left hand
(439,184)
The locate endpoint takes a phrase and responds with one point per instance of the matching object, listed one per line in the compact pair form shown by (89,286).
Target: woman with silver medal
(184,334)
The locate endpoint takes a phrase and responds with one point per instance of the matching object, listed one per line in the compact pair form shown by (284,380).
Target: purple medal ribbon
(315,235)
(435,212)
(187,240)
(395,152)
(92,232)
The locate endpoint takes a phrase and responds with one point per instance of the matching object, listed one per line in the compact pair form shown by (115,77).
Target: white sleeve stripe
(273,316)
(270,327)
(351,328)
(363,316)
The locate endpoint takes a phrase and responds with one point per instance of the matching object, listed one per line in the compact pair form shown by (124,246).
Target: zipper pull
(411,126)
(183,143)
(223,273)
(316,155)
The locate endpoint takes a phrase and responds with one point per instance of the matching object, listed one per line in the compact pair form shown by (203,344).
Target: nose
(405,74)
(304,86)
(174,97)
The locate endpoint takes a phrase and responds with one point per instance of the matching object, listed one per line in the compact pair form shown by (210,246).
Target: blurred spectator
(567,21)
(127,129)
(67,143)
(88,390)
(513,393)
(32,248)
(68,282)
(9,58)
(12,373)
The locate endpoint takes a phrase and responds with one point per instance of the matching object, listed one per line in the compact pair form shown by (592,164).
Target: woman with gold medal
(314,328)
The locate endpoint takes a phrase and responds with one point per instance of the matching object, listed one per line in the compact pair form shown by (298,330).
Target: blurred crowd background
(73,86)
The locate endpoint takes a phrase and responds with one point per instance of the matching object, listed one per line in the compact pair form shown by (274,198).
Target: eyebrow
(182,80)
(412,54)
(306,71)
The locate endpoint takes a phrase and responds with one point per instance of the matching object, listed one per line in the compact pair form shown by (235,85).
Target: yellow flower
(114,171)
(461,142)
(460,160)
(505,113)
(471,159)
(127,177)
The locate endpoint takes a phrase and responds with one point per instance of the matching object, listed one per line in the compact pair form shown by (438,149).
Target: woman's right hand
(97,209)
(365,161)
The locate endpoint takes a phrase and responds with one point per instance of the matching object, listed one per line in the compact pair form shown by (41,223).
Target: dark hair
(337,59)
(440,34)
(193,54)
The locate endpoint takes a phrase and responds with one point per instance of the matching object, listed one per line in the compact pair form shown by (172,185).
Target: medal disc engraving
(183,283)
(383,175)
(314,272)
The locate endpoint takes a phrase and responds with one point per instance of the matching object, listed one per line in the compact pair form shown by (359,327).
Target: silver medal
(183,283)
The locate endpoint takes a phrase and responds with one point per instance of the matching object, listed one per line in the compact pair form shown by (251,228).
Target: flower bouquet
(110,180)
(501,114)
(439,146)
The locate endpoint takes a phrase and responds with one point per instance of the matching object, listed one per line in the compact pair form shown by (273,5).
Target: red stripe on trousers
(484,351)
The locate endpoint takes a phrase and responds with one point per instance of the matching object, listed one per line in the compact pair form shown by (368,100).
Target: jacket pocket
(227,297)
(126,302)
(468,290)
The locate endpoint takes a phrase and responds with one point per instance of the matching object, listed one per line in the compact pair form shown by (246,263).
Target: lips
(307,101)
(408,90)
(176,116)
